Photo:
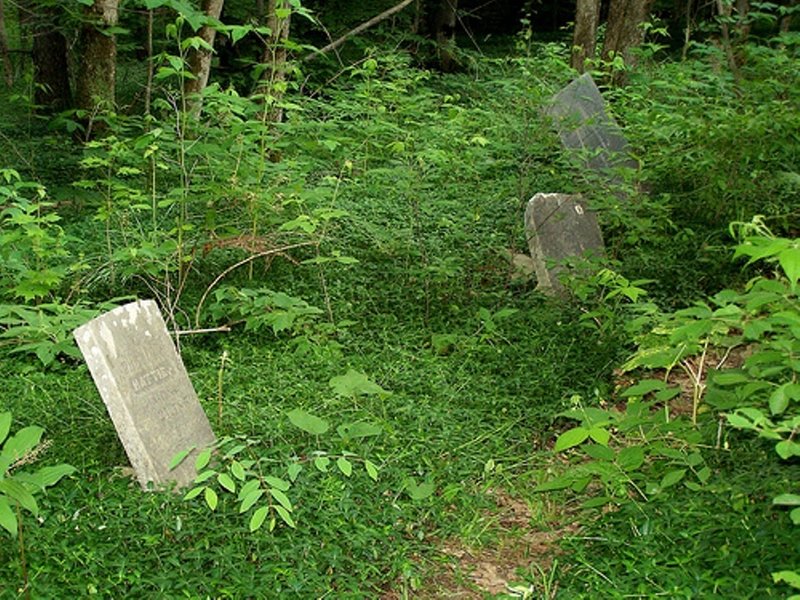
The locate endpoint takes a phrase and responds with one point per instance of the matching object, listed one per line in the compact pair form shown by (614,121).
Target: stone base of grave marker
(147,391)
(559,227)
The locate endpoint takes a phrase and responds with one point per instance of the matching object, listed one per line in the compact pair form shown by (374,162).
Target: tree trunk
(199,60)
(724,11)
(444,30)
(786,20)
(687,30)
(95,83)
(624,32)
(8,72)
(49,55)
(743,19)
(148,87)
(272,83)
(584,40)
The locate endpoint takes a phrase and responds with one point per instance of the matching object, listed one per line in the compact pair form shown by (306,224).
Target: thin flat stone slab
(559,227)
(585,127)
(147,391)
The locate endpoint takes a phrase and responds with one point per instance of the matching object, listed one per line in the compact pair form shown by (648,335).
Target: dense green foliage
(378,370)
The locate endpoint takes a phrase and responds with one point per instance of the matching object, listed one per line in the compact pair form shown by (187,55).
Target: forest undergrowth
(426,422)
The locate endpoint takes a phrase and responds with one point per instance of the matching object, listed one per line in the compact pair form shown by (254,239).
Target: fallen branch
(366,25)
(221,329)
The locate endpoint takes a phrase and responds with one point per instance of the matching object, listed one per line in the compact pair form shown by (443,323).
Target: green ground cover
(410,189)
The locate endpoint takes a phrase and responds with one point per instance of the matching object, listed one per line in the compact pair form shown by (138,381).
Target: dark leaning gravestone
(559,227)
(145,387)
(584,127)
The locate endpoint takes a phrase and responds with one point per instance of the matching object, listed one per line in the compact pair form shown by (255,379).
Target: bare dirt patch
(479,572)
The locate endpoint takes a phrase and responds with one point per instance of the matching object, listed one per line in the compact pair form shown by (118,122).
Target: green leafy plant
(634,454)
(18,484)
(33,257)
(237,467)
(261,309)
(757,329)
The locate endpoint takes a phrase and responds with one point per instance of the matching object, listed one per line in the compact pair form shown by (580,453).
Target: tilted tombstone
(559,227)
(147,391)
(585,128)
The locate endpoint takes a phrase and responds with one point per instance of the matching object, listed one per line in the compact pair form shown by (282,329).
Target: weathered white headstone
(585,127)
(559,227)
(147,391)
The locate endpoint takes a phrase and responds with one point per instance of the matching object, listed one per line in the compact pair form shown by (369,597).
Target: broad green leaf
(307,422)
(786,449)
(790,577)
(694,459)
(419,491)
(630,458)
(795,516)
(704,474)
(17,492)
(278,483)
(247,488)
(237,32)
(787,500)
(644,387)
(226,481)
(194,492)
(5,426)
(22,442)
(722,378)
(599,452)
(321,463)
(558,483)
(754,330)
(570,438)
(233,451)
(345,466)
(597,502)
(250,499)
(211,498)
(205,476)
(257,520)
(779,400)
(46,476)
(372,470)
(600,435)
(355,383)
(667,394)
(580,484)
(179,458)
(739,421)
(358,430)
(672,477)
(8,519)
(282,498)
(237,470)
(287,518)
(202,459)
(294,470)
(789,260)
